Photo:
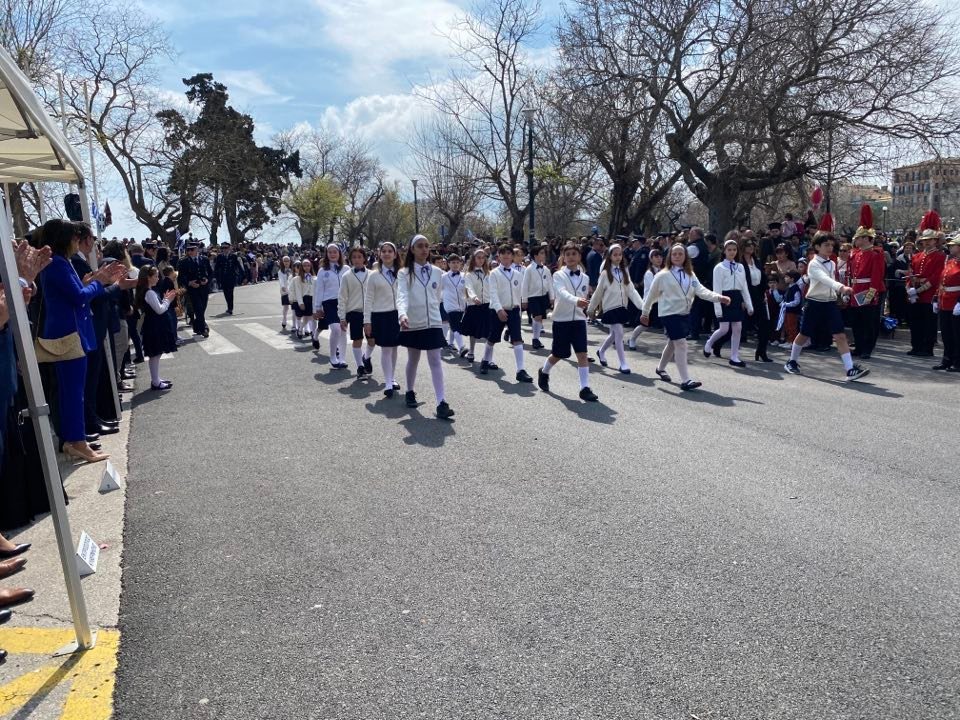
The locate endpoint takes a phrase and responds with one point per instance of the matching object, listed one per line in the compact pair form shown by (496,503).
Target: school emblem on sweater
(516,282)
(434,286)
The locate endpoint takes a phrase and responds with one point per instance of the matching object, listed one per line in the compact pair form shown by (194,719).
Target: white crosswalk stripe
(271,337)
(217,344)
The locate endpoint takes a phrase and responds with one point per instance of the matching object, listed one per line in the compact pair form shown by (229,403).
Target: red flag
(107,216)
(826,223)
(817,196)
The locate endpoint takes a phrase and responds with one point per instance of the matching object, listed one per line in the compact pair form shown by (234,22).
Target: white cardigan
(724,279)
(301,288)
(537,282)
(613,295)
(327,286)
(379,295)
(823,285)
(674,298)
(350,297)
(567,290)
(478,287)
(505,291)
(419,301)
(454,296)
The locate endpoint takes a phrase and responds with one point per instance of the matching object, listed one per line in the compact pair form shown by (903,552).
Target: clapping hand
(4,313)
(31,260)
(169,295)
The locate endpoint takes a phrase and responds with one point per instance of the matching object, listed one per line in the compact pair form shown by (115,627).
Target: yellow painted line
(90,675)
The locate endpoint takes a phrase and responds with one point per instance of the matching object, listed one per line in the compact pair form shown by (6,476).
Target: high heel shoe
(88,457)
(761,357)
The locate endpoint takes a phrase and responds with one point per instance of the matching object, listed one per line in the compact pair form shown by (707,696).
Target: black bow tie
(454,274)
(359,270)
(575,273)
(425,270)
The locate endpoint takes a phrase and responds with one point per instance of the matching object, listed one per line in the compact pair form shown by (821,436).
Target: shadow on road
(709,398)
(593,412)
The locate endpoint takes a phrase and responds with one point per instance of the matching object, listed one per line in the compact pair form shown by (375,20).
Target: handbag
(49,350)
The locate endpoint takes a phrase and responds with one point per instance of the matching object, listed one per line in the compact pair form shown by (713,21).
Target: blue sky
(349,65)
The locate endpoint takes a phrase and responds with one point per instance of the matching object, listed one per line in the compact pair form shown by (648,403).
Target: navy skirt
(734,311)
(426,339)
(677,327)
(476,321)
(385,327)
(618,316)
(331,315)
(307,306)
(285,300)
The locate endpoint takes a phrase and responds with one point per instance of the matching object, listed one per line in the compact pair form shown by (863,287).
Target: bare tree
(483,98)
(753,90)
(450,179)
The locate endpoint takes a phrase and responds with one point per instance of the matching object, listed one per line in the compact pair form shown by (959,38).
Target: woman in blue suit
(66,307)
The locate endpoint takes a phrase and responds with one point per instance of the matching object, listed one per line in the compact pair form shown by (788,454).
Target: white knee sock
(518,356)
(666,356)
(358,356)
(473,344)
(736,330)
(458,340)
(537,329)
(604,346)
(680,355)
(636,333)
(547,367)
(335,334)
(584,376)
(388,362)
(436,374)
(617,332)
(154,365)
(413,359)
(342,345)
(795,351)
(446,331)
(488,353)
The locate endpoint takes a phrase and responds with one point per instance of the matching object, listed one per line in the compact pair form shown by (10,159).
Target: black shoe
(444,411)
(106,429)
(662,374)
(229,312)
(92,437)
(110,422)
(737,363)
(396,386)
(484,367)
(368,365)
(913,352)
(856,372)
(716,352)
(865,356)
(283,326)
(464,352)
(18,550)
(588,395)
(543,381)
(139,360)
(411,398)
(3,656)
(955,368)
(316,344)
(944,365)
(95,446)
(524,377)
(341,366)
(5,615)
(361,372)
(601,360)
(706,353)
(537,345)
(388,393)
(206,332)
(690,385)
(792,367)
(624,371)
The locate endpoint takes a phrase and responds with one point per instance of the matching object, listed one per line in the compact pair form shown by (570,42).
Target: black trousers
(91,384)
(135,335)
(865,323)
(923,327)
(228,296)
(198,299)
(950,334)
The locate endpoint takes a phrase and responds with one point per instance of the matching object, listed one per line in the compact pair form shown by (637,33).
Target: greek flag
(181,241)
(97,217)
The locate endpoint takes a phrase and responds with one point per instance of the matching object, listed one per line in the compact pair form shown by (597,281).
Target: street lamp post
(529,114)
(884,230)
(416,210)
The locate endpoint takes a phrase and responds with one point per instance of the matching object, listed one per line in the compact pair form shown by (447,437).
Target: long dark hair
(143,284)
(396,260)
(608,264)
(59,235)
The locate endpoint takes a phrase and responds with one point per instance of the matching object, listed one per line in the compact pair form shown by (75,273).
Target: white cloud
(248,86)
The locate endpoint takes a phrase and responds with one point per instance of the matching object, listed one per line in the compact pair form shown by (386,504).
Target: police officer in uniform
(195,275)
(229,270)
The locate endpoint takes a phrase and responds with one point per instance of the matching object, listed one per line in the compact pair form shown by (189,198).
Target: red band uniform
(949,299)
(867,269)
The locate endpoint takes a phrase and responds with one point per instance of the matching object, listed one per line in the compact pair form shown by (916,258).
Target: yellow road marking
(90,675)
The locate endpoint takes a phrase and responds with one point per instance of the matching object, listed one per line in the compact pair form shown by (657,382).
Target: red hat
(866,223)
(826,223)
(931,221)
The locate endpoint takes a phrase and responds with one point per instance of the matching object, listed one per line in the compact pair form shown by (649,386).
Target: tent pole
(93,165)
(39,413)
(94,261)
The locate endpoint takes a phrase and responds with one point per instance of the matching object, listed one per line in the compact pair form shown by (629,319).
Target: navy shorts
(355,319)
(567,335)
(538,306)
(820,315)
(512,325)
(677,327)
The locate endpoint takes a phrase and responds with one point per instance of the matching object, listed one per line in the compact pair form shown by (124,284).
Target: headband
(387,242)
(415,238)
(615,246)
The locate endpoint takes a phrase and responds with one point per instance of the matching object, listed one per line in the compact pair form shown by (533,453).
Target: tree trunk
(454,227)
(621,196)
(721,201)
(20,224)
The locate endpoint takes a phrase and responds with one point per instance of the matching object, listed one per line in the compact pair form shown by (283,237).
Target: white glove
(936,307)
(956,310)
(912,293)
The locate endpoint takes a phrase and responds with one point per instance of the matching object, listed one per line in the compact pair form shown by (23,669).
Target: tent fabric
(32,147)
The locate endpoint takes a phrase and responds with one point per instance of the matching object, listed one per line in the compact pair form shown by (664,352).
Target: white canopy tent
(33,149)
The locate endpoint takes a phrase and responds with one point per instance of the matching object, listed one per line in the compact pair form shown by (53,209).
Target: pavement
(771,546)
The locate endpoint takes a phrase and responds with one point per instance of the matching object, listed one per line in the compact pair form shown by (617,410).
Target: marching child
(285,275)
(570,287)
(614,292)
(821,312)
(790,301)
(476,318)
(674,289)
(381,324)
(655,260)
(327,293)
(537,292)
(418,307)
(505,301)
(455,303)
(351,303)
(301,289)
(730,279)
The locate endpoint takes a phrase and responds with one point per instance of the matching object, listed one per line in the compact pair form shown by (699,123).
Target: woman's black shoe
(762,357)
(18,550)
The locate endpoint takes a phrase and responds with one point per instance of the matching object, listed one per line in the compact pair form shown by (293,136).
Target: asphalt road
(771,546)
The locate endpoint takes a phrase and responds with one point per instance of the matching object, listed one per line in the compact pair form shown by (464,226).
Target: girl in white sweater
(730,279)
(674,289)
(421,328)
(326,300)
(476,318)
(284,276)
(655,266)
(380,319)
(301,292)
(614,292)
(350,303)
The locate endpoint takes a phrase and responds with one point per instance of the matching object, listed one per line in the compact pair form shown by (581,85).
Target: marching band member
(867,269)
(614,293)
(949,300)
(923,282)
